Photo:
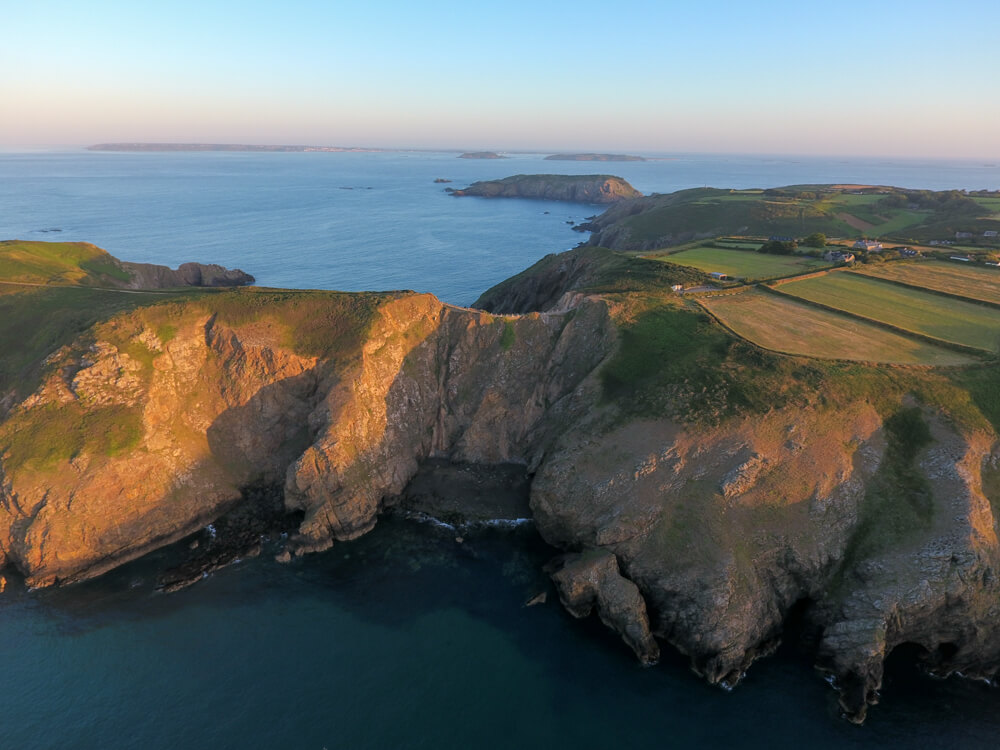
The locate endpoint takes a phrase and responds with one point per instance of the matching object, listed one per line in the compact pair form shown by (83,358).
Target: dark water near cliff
(403,638)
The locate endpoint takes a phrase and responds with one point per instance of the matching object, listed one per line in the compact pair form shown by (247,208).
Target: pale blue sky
(862,78)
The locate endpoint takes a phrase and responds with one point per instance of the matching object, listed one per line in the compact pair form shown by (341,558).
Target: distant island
(221,147)
(588,188)
(481,155)
(593,157)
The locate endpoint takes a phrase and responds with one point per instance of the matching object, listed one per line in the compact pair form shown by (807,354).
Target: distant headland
(481,155)
(221,147)
(587,188)
(593,157)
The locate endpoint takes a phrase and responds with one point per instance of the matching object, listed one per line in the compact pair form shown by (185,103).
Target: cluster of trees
(802,195)
(787,247)
(778,247)
(946,201)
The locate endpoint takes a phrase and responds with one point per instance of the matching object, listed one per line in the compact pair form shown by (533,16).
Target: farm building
(963,235)
(870,246)
(990,233)
(838,256)
(719,276)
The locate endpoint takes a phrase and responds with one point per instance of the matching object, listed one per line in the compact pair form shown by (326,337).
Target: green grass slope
(63,263)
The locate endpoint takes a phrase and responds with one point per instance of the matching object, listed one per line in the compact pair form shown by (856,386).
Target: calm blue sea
(361,221)
(404,638)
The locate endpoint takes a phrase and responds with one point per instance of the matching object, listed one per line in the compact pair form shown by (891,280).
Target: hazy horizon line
(654,154)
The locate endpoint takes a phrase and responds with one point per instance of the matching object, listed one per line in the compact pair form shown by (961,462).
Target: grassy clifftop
(54,294)
(63,263)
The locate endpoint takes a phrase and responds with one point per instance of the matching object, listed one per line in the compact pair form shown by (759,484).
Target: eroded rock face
(214,409)
(151,276)
(938,588)
(438,381)
(725,530)
(703,537)
(591,581)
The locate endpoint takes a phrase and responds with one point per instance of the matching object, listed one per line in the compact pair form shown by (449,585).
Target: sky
(874,78)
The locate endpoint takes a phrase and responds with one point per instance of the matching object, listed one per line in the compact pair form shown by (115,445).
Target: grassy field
(966,280)
(791,327)
(58,263)
(743,263)
(946,319)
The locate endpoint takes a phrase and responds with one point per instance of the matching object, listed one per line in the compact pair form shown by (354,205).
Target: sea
(407,637)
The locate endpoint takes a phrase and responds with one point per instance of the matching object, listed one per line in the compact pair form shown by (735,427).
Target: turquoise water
(404,638)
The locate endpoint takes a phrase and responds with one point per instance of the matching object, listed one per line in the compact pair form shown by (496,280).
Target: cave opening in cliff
(798,630)
(460,493)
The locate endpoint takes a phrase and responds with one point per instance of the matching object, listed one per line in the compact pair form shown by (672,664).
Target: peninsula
(590,188)
(703,466)
(481,155)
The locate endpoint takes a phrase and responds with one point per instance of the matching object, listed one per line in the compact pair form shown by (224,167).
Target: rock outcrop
(151,276)
(591,581)
(592,188)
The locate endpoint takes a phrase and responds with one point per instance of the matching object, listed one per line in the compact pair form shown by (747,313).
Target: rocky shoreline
(871,516)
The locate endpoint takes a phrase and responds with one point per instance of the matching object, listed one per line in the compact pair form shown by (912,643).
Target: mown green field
(744,263)
(965,280)
(791,327)
(913,310)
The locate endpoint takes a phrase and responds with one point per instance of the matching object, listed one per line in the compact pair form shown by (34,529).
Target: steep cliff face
(724,531)
(131,445)
(439,381)
(201,409)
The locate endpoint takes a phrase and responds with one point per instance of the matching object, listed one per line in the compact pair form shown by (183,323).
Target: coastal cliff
(592,188)
(699,489)
(149,429)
